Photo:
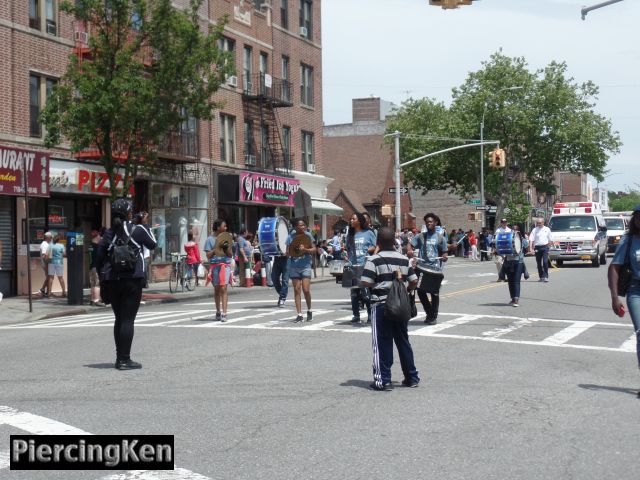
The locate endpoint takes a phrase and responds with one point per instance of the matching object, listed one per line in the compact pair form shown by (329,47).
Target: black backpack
(398,305)
(123,256)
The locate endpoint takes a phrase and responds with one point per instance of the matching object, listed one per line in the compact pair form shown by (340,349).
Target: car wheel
(559,263)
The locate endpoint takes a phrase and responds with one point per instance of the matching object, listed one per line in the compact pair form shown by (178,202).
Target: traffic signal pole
(586,10)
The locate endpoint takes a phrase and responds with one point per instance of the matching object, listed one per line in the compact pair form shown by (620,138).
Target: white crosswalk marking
(4,459)
(434,329)
(501,331)
(568,333)
(629,344)
(176,474)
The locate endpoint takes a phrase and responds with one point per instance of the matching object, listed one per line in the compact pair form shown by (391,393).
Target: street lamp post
(483,213)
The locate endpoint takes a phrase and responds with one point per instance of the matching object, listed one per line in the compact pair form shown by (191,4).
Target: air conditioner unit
(303,32)
(311,168)
(51,28)
(250,160)
(232,81)
(82,37)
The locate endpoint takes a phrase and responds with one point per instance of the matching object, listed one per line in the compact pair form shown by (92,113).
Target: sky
(397,49)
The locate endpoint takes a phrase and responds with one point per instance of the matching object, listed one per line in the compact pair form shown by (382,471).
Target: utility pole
(397,172)
(586,10)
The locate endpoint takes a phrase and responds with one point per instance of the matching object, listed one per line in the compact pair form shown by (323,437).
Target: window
(226,44)
(284,14)
(249,153)
(307,152)
(286,88)
(247,68)
(265,158)
(264,70)
(306,85)
(39,90)
(227,138)
(286,146)
(305,17)
(43,15)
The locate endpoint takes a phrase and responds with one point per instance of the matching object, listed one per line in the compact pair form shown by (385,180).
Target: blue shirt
(56,254)
(305,260)
(621,254)
(210,244)
(363,241)
(430,246)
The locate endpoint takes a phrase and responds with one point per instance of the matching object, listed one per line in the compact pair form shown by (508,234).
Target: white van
(578,232)
(617,226)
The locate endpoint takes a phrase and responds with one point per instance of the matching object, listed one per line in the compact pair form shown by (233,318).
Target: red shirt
(193,253)
(473,240)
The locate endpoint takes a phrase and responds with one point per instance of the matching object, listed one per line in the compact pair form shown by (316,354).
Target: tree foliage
(149,68)
(548,125)
(624,202)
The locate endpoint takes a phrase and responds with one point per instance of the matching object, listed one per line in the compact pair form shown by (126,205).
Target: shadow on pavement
(357,383)
(589,386)
(100,365)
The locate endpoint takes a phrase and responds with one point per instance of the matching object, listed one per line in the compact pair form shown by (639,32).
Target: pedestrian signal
(498,158)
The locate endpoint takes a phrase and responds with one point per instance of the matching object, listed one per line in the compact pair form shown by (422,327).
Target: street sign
(403,190)
(492,209)
(474,202)
(482,207)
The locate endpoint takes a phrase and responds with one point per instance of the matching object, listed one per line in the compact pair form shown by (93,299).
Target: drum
(508,243)
(272,235)
(429,279)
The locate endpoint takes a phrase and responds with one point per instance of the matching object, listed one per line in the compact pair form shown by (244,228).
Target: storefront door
(7,246)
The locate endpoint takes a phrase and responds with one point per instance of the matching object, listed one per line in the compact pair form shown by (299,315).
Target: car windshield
(614,223)
(571,223)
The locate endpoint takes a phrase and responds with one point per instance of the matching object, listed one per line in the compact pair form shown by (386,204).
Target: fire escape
(262,95)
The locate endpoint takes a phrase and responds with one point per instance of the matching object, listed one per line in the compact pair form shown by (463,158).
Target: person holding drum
(219,252)
(361,241)
(300,246)
(501,230)
(432,252)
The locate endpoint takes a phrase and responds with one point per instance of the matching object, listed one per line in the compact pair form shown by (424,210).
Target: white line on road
(433,329)
(501,331)
(629,344)
(4,459)
(568,333)
(176,474)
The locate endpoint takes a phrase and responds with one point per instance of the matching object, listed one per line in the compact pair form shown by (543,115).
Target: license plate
(585,257)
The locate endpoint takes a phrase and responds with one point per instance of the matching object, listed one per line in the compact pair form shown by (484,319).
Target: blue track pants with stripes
(384,333)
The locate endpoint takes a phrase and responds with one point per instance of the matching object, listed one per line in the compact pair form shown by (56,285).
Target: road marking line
(188,318)
(175,474)
(433,329)
(629,344)
(217,323)
(568,333)
(501,331)
(4,459)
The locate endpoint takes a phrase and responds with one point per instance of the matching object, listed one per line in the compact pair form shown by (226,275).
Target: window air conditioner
(82,37)
(250,160)
(311,168)
(303,32)
(51,28)
(232,81)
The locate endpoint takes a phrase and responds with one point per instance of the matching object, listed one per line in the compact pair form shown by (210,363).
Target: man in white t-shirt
(539,241)
(44,257)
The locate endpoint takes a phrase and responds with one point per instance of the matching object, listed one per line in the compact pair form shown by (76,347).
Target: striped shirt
(380,270)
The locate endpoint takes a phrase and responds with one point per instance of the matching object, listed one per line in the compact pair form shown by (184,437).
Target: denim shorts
(297,273)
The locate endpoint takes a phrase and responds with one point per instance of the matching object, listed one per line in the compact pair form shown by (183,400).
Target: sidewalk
(16,309)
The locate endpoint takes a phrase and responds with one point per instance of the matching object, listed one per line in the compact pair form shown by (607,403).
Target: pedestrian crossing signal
(498,158)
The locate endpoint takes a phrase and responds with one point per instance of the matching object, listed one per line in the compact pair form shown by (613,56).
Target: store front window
(177,210)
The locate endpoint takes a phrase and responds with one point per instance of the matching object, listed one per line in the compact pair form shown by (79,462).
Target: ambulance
(578,232)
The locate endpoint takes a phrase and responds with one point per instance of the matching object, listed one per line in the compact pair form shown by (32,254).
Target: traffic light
(498,158)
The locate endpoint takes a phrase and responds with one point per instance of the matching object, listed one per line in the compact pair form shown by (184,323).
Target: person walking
(483,245)
(432,253)
(473,243)
(378,275)
(539,242)
(220,268)
(94,279)
(513,268)
(361,241)
(300,269)
(56,256)
(244,255)
(503,228)
(280,277)
(123,283)
(193,260)
(44,263)
(525,272)
(628,253)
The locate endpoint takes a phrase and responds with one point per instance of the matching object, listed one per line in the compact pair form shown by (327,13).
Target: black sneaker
(127,365)
(407,382)
(386,387)
(43,292)
(298,319)
(218,316)
(355,319)
(309,315)
(430,321)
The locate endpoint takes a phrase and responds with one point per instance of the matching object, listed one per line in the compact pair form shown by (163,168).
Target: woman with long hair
(299,267)
(628,253)
(361,241)
(120,261)
(220,269)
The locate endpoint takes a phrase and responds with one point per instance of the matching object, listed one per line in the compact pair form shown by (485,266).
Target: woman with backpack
(122,268)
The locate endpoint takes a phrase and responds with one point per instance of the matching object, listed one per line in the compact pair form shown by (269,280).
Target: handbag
(625,274)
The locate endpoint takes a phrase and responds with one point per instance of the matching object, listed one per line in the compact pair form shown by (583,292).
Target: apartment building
(263,148)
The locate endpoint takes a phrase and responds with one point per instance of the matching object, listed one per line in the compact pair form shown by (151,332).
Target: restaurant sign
(73,177)
(14,162)
(268,189)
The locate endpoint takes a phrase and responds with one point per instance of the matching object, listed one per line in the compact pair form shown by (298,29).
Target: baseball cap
(504,220)
(48,234)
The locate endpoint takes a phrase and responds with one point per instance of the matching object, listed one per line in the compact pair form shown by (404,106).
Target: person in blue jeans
(514,268)
(280,277)
(300,269)
(361,241)
(628,252)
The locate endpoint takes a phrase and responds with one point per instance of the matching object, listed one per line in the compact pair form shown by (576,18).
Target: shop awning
(324,206)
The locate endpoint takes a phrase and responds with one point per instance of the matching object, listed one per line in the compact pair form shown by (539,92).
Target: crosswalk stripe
(501,331)
(433,329)
(629,344)
(216,323)
(568,333)
(175,474)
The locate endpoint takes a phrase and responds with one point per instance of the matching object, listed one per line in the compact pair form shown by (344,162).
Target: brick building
(268,133)
(357,156)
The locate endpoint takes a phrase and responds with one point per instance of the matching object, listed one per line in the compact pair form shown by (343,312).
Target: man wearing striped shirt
(378,275)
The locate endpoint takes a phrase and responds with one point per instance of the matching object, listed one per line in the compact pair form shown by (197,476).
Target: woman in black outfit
(124,288)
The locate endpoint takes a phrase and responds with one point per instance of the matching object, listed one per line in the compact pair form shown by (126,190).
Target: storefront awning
(324,206)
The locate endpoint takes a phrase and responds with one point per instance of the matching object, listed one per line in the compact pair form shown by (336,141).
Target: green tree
(548,125)
(625,202)
(149,68)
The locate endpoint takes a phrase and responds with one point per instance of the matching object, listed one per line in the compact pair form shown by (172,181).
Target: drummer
(300,269)
(514,267)
(432,252)
(220,259)
(503,228)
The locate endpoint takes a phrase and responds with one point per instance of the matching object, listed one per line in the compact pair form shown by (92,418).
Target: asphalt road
(546,390)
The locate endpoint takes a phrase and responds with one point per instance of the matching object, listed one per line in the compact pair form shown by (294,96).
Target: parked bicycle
(181,274)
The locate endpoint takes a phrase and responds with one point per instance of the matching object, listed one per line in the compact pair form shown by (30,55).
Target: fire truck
(578,232)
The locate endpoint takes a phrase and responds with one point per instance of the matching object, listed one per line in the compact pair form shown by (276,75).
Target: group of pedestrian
(52,255)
